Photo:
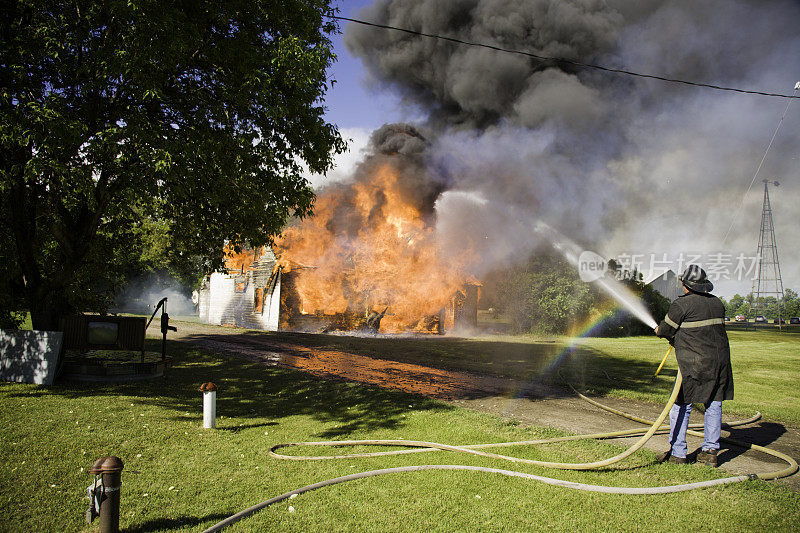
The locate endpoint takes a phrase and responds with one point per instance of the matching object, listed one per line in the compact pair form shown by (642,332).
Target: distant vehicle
(741,318)
(761,319)
(727,319)
(794,320)
(781,320)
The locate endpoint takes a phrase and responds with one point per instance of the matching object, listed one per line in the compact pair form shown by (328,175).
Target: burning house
(256,290)
(511,142)
(368,259)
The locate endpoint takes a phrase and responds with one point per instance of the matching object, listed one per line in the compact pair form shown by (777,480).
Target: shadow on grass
(242,427)
(180,522)
(521,369)
(537,369)
(762,434)
(251,389)
(248,390)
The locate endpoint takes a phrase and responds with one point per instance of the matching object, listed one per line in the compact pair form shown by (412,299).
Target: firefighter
(695,325)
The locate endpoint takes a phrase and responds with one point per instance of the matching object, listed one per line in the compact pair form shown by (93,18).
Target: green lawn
(190,478)
(766,364)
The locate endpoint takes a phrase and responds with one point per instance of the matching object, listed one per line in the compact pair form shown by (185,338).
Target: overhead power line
(560,59)
(758,169)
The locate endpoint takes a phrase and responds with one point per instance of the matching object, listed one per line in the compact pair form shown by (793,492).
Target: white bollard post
(209,405)
(209,409)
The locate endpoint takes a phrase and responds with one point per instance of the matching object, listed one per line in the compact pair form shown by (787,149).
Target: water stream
(610,286)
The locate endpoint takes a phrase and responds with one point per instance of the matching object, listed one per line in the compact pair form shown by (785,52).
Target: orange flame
(239,261)
(392,260)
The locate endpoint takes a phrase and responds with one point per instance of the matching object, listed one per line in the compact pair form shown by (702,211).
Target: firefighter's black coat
(703,353)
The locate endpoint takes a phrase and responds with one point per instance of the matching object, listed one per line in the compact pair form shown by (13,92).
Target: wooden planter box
(99,370)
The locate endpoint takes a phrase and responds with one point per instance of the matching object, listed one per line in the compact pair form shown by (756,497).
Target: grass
(765,363)
(191,478)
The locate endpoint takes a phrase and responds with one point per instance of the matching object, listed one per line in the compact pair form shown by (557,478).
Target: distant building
(667,285)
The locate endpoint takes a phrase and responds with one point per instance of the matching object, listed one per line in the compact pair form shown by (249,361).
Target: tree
(726,305)
(543,295)
(791,303)
(736,306)
(118,114)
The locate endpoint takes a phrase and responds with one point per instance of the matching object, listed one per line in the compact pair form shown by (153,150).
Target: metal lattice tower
(767,281)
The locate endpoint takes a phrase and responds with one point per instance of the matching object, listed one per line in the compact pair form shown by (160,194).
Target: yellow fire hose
(669,350)
(422,446)
(788,471)
(472,450)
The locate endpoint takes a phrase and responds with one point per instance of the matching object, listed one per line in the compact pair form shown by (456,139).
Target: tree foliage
(125,122)
(767,305)
(791,303)
(543,295)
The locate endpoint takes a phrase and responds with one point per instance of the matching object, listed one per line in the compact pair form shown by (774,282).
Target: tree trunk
(47,308)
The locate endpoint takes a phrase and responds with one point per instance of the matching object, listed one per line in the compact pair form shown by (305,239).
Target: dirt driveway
(540,406)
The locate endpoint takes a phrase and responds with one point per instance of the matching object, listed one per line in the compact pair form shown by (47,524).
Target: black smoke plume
(624,164)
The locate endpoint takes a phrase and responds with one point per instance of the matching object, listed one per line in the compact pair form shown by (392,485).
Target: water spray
(578,258)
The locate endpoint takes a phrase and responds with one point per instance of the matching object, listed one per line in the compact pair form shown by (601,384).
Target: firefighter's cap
(694,278)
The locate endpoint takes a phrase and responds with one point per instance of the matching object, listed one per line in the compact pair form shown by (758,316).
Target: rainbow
(586,328)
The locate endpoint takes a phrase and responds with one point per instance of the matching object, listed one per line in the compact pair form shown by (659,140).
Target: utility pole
(768,273)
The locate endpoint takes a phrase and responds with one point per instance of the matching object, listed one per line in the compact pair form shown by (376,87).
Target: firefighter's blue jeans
(679,423)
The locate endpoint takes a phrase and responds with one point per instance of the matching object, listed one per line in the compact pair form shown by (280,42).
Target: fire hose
(476,449)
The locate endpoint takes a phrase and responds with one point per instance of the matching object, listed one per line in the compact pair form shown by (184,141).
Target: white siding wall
(220,304)
(202,304)
(272,307)
(221,293)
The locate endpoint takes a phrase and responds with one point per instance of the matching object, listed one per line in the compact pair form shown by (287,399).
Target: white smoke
(345,163)
(141,296)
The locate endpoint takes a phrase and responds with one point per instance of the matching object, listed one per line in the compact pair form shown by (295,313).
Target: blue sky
(353,106)
(350,103)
